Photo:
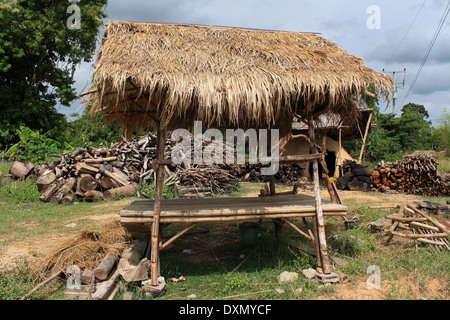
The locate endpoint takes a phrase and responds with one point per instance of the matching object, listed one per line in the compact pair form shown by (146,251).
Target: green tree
(38,56)
(393,137)
(91,130)
(441,134)
(415,108)
(412,130)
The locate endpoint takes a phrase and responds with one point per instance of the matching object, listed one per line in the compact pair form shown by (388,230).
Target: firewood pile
(102,173)
(203,181)
(416,225)
(415,174)
(289,174)
(354,177)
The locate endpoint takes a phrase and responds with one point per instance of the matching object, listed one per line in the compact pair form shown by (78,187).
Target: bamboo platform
(229,209)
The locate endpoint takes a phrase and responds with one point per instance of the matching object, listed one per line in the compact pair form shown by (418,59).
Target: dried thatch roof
(226,77)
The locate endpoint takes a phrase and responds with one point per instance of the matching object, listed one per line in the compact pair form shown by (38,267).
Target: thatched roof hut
(226,77)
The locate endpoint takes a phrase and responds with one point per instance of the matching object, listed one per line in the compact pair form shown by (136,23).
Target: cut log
(106,183)
(79,193)
(88,183)
(358,186)
(30,166)
(49,192)
(125,190)
(105,267)
(67,199)
(45,180)
(19,170)
(131,265)
(105,288)
(86,276)
(93,195)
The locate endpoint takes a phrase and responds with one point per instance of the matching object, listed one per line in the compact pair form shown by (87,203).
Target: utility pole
(394,73)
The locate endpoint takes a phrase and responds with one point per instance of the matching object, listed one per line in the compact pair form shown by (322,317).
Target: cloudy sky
(387,34)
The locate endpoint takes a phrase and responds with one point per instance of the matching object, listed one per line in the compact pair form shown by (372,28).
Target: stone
(298,290)
(287,277)
(191,296)
(309,273)
(279,291)
(155,291)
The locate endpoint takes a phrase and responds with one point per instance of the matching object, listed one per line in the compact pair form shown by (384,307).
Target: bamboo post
(321,238)
(363,148)
(155,238)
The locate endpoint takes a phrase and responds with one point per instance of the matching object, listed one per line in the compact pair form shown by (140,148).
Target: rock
(309,273)
(380,224)
(279,291)
(155,291)
(298,290)
(71,225)
(191,296)
(287,277)
(339,262)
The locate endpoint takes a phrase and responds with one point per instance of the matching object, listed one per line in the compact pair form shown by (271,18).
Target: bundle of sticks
(204,181)
(195,180)
(415,174)
(415,225)
(288,174)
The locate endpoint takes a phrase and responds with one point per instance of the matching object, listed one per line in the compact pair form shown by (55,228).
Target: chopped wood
(414,174)
(45,180)
(122,191)
(105,266)
(19,170)
(131,265)
(94,195)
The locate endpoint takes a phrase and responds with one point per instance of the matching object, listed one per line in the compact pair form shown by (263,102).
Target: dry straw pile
(85,250)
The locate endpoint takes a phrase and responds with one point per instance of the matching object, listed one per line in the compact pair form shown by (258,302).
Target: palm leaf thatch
(225,77)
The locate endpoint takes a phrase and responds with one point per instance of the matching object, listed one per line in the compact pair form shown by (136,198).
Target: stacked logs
(289,174)
(354,177)
(88,173)
(101,173)
(414,174)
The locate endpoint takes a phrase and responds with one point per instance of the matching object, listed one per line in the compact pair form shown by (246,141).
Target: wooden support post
(363,148)
(321,239)
(161,140)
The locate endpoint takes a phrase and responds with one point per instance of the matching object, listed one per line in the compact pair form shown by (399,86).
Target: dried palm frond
(225,77)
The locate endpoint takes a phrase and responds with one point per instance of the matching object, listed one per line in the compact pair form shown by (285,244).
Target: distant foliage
(35,146)
(393,136)
(91,131)
(441,134)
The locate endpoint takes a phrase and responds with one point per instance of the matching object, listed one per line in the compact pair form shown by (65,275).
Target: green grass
(4,167)
(217,251)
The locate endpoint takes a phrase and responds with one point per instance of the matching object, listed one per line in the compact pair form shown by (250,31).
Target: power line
(406,33)
(430,47)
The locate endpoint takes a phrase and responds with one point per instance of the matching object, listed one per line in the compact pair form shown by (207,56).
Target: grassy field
(220,268)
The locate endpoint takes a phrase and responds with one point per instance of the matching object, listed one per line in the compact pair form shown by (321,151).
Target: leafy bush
(148,190)
(35,146)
